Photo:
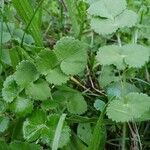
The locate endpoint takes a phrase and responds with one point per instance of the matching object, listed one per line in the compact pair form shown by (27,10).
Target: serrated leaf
(84,132)
(38,126)
(56,76)
(65,133)
(111,54)
(76,104)
(135,55)
(107,8)
(118,89)
(75,101)
(4,123)
(45,61)
(107,76)
(103,26)
(72,55)
(99,105)
(25,73)
(10,89)
(75,63)
(22,106)
(49,105)
(128,108)
(144,117)
(114,15)
(126,19)
(3,106)
(33,125)
(38,90)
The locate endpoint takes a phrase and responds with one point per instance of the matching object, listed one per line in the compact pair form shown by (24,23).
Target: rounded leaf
(56,76)
(22,106)
(25,73)
(10,90)
(128,108)
(38,90)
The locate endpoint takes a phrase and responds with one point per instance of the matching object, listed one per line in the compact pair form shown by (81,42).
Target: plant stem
(58,132)
(1,32)
(119,40)
(124,137)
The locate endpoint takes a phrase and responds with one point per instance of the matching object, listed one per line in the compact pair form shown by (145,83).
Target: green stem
(118,39)
(124,137)
(1,32)
(58,132)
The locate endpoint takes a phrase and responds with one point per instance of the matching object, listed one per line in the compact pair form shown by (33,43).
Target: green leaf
(144,117)
(58,131)
(118,89)
(17,145)
(4,123)
(25,73)
(14,56)
(40,127)
(132,106)
(33,125)
(38,90)
(6,37)
(107,76)
(22,106)
(10,90)
(49,105)
(126,19)
(56,76)
(107,8)
(84,132)
(3,106)
(75,101)
(99,135)
(45,61)
(99,105)
(6,57)
(65,132)
(72,55)
(103,26)
(135,55)
(72,12)
(110,15)
(26,12)
(111,54)
(75,63)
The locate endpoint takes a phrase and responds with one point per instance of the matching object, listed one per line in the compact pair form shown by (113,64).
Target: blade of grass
(99,134)
(58,132)
(71,7)
(27,13)
(1,32)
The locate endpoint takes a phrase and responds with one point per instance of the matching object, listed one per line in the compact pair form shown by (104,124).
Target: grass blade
(26,12)
(58,132)
(99,134)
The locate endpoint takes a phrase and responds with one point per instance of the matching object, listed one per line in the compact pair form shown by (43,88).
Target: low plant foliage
(74,76)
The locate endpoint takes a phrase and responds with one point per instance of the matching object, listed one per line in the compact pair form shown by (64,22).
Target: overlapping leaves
(74,100)
(39,126)
(128,108)
(110,15)
(72,54)
(133,55)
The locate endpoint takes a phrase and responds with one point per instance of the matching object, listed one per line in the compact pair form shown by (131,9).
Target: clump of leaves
(52,98)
